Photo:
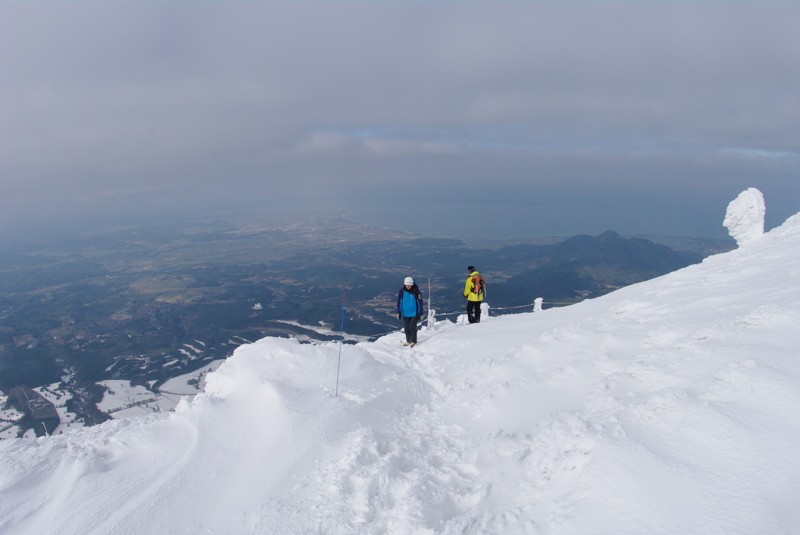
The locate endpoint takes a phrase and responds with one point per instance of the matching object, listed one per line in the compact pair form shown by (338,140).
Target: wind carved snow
(744,218)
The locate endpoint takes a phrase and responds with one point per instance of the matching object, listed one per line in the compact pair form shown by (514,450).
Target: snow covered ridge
(671,406)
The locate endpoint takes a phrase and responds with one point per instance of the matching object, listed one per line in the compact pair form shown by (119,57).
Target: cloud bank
(159,106)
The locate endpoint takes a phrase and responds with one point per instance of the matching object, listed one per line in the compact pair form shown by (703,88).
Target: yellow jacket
(468,289)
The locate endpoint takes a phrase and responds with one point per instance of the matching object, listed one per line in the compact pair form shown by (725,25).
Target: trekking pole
(341,341)
(429,303)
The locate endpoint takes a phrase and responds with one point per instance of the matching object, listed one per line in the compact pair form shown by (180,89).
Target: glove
(419,318)
(399,316)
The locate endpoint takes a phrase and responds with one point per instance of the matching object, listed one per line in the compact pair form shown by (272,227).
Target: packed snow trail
(671,406)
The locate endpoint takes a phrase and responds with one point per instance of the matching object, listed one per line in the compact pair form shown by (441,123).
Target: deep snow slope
(671,406)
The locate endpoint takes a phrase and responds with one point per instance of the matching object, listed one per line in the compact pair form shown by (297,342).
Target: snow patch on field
(122,400)
(189,384)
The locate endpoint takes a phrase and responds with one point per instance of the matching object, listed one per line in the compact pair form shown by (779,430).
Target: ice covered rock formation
(744,218)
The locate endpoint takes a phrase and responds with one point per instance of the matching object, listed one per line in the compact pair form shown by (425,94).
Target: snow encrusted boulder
(744,218)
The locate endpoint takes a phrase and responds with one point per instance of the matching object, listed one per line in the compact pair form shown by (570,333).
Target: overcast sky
(640,117)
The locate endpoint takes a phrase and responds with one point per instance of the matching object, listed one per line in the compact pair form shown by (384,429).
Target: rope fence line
(438,315)
(510,308)
(532,304)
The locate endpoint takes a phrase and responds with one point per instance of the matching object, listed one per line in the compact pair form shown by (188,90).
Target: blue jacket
(409,302)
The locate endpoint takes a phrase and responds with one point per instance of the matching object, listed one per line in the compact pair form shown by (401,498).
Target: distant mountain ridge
(586,266)
(612,260)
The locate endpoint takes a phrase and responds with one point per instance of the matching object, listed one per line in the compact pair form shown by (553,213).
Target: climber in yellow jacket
(474,292)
